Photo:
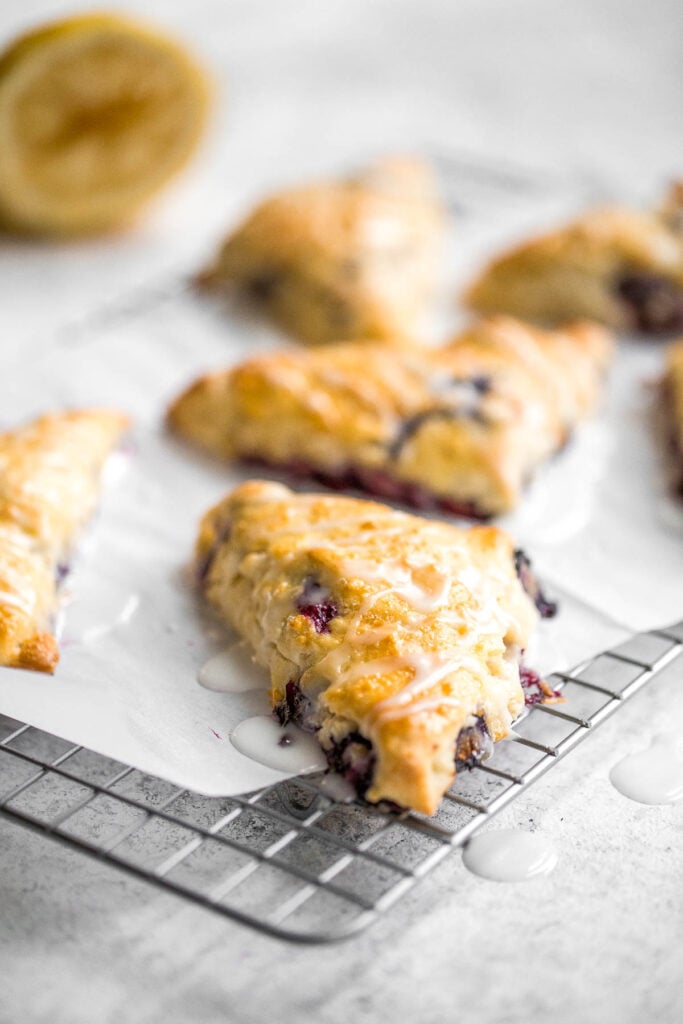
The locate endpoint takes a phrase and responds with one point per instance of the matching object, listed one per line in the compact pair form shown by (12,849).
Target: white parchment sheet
(598,524)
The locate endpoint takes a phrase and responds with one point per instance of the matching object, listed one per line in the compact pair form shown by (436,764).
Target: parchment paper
(598,524)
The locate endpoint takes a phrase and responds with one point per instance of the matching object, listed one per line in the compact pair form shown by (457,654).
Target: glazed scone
(49,483)
(353,258)
(461,428)
(672,387)
(620,267)
(395,639)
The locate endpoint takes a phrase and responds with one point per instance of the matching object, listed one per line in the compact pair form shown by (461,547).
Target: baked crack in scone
(353,258)
(49,483)
(460,427)
(672,387)
(621,267)
(397,640)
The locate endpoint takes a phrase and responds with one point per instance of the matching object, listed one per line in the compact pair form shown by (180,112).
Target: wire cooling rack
(288,860)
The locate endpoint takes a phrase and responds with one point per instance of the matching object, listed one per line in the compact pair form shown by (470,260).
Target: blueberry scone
(49,483)
(397,640)
(621,267)
(460,427)
(672,387)
(353,258)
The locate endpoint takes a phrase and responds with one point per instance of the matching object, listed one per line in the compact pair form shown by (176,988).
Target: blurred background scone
(353,258)
(622,267)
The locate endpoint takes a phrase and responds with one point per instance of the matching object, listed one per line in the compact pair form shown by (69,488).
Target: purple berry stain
(473,745)
(295,707)
(316,604)
(546,609)
(655,302)
(459,398)
(536,689)
(378,483)
(61,572)
(353,758)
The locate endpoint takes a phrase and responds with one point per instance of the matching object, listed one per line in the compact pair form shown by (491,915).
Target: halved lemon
(96,113)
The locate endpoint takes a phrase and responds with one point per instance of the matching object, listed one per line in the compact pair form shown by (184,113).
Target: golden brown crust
(466,423)
(579,270)
(355,257)
(49,481)
(427,625)
(673,385)
(671,209)
(39,653)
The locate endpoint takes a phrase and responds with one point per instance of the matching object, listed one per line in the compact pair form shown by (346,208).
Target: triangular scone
(621,267)
(353,258)
(461,427)
(395,638)
(49,482)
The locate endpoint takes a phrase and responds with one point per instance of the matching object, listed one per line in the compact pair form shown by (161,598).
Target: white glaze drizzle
(427,590)
(24,603)
(348,523)
(428,669)
(85,620)
(293,378)
(654,775)
(426,595)
(508,855)
(231,671)
(337,788)
(363,392)
(400,576)
(115,467)
(287,749)
(16,591)
(15,539)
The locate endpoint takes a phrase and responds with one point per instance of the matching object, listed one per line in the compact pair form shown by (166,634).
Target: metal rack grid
(288,860)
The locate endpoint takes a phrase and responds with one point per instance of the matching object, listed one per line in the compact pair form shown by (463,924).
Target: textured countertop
(583,88)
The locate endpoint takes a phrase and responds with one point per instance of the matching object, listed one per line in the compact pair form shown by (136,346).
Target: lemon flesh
(96,113)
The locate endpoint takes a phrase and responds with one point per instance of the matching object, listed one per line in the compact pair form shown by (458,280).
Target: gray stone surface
(311,85)
(598,940)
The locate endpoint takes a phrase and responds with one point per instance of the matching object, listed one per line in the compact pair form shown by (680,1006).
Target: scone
(672,387)
(461,427)
(354,258)
(397,640)
(49,483)
(621,267)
